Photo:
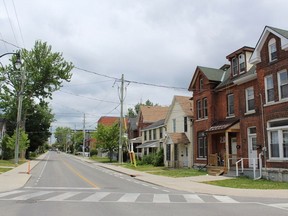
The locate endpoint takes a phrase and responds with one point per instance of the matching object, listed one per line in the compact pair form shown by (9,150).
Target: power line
(18,23)
(88,97)
(10,22)
(115,78)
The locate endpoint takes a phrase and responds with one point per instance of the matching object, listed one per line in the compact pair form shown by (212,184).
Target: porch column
(227,149)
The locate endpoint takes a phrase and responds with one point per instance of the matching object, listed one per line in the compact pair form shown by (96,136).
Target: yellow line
(79,175)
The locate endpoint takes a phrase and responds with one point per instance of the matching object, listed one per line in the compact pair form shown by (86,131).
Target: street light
(18,65)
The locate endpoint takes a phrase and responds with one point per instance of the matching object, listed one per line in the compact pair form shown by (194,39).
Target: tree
(63,137)
(133,113)
(45,71)
(107,139)
(23,141)
(38,121)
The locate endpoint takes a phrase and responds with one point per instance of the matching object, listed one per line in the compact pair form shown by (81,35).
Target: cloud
(149,41)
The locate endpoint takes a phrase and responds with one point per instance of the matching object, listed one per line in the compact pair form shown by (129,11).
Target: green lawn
(2,170)
(175,173)
(246,183)
(102,159)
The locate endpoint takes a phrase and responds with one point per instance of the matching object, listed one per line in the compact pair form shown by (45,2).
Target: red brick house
(241,108)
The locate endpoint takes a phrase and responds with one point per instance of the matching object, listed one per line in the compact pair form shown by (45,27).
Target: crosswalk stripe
(32,195)
(63,196)
(280,205)
(129,197)
(225,199)
(96,197)
(9,193)
(161,198)
(193,198)
(55,195)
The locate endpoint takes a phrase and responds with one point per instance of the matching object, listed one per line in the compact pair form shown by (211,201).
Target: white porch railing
(254,163)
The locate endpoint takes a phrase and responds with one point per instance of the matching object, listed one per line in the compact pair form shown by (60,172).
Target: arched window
(272,50)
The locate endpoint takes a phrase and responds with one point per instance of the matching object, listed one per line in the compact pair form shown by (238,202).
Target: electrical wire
(10,22)
(19,27)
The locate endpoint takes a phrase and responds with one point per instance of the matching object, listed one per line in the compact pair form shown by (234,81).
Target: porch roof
(179,138)
(149,144)
(222,125)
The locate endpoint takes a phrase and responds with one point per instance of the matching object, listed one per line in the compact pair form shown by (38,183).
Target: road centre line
(80,176)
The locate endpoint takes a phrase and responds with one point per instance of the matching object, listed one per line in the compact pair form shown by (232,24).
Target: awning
(222,125)
(179,138)
(150,144)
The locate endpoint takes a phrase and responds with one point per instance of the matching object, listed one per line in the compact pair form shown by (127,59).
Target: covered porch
(223,146)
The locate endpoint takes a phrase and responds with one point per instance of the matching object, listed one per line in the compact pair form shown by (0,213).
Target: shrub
(156,159)
(93,152)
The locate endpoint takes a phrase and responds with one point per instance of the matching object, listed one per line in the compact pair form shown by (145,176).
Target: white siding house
(178,146)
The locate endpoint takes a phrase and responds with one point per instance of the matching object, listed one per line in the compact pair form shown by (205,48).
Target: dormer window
(234,66)
(272,50)
(242,63)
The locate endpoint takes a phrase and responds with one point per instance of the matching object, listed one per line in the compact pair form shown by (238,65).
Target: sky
(155,44)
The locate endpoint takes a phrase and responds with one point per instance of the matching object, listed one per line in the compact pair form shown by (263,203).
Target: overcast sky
(157,42)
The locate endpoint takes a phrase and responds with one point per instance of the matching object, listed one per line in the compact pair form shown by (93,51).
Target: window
(250,103)
(205,108)
(272,50)
(234,66)
(185,124)
(174,125)
(150,134)
(202,145)
(278,139)
(199,109)
(161,132)
(242,63)
(283,84)
(175,152)
(154,134)
(269,88)
(201,84)
(230,105)
(145,135)
(168,152)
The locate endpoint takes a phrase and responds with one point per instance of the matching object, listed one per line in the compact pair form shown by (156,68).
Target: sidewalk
(195,185)
(18,176)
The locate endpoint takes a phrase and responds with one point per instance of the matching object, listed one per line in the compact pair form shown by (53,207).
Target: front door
(234,150)
(252,147)
(185,156)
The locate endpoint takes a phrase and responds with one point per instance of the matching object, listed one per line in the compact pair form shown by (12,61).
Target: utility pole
(121,121)
(83,148)
(19,115)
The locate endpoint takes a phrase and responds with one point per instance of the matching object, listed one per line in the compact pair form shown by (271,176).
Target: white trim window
(230,105)
(272,50)
(283,84)
(269,89)
(205,108)
(201,84)
(242,63)
(235,66)
(202,145)
(250,101)
(278,139)
(174,125)
(199,109)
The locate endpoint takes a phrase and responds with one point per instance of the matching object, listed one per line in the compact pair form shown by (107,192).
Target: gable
(211,74)
(150,114)
(108,120)
(280,33)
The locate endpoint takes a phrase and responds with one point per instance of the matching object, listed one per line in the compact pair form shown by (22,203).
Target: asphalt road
(63,185)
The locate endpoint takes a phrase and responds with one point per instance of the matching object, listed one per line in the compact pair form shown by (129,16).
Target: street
(64,185)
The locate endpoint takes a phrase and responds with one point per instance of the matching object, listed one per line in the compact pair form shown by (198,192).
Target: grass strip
(246,183)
